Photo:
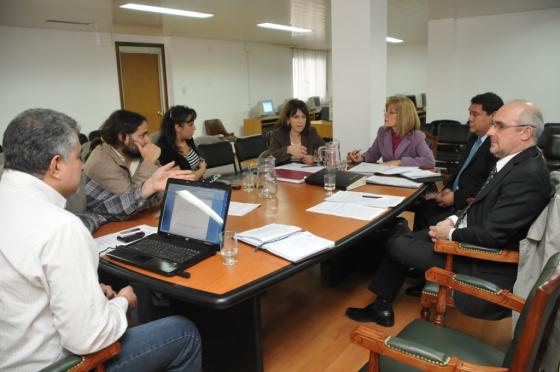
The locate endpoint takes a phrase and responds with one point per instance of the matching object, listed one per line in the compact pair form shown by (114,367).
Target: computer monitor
(413,99)
(263,108)
(314,102)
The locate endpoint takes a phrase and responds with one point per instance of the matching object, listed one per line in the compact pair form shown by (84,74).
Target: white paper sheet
(366,198)
(240,209)
(369,168)
(359,212)
(393,181)
(107,243)
(397,170)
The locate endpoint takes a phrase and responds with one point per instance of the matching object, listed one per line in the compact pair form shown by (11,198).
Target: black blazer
(501,214)
(170,154)
(280,140)
(500,217)
(474,175)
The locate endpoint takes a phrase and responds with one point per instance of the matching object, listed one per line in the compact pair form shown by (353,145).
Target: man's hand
(128,293)
(158,180)
(149,152)
(107,291)
(445,198)
(441,230)
(297,151)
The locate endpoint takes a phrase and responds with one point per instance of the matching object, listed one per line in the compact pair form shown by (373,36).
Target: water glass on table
(249,180)
(228,248)
(330,183)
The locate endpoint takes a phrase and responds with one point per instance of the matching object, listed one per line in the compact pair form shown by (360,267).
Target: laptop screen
(195,211)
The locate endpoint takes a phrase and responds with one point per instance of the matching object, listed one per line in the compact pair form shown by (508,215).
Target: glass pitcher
(266,178)
(329,155)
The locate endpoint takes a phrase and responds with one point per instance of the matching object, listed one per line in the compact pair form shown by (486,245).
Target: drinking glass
(249,180)
(228,248)
(342,165)
(330,183)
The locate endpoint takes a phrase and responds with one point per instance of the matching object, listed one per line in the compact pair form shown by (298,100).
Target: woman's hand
(308,159)
(392,162)
(297,151)
(354,157)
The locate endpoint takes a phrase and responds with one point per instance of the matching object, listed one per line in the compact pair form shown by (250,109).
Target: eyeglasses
(385,112)
(501,126)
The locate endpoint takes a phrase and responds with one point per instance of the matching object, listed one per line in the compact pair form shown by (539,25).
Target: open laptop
(191,223)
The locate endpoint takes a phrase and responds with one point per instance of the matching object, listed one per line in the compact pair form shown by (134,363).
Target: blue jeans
(167,344)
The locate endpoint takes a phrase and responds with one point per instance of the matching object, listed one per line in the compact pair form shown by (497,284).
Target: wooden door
(142,90)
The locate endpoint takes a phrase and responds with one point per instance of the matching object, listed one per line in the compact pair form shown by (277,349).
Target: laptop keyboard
(164,250)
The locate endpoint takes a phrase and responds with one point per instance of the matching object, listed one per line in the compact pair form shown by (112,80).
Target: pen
(257,247)
(371,196)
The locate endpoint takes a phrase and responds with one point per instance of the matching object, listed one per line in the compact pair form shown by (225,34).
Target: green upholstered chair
(83,363)
(421,345)
(435,298)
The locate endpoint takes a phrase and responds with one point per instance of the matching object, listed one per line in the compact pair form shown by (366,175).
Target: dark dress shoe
(415,291)
(371,313)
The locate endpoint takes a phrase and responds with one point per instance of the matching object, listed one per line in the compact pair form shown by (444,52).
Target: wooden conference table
(224,300)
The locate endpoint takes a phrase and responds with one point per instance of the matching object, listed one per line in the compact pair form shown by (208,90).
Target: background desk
(224,301)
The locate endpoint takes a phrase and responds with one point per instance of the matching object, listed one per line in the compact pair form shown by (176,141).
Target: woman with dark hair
(293,138)
(176,140)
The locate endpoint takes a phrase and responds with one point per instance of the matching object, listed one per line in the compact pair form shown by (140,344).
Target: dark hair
(35,136)
(289,110)
(490,102)
(120,121)
(179,115)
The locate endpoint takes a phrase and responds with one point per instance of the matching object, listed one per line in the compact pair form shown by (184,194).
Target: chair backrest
(452,132)
(551,152)
(549,129)
(249,148)
(434,125)
(83,138)
(536,320)
(94,134)
(214,127)
(217,154)
(154,136)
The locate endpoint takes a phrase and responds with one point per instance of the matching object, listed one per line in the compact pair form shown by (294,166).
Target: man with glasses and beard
(127,157)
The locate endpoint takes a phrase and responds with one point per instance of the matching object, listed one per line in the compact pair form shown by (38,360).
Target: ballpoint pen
(371,196)
(276,239)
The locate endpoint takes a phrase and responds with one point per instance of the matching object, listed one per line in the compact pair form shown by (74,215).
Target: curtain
(309,73)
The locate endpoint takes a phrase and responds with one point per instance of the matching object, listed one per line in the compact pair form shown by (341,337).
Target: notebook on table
(191,223)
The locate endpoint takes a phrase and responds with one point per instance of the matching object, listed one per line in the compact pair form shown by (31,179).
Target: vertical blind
(309,73)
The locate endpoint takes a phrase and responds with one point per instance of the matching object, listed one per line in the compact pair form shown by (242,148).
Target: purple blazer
(412,151)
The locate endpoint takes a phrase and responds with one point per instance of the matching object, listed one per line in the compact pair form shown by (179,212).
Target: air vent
(69,22)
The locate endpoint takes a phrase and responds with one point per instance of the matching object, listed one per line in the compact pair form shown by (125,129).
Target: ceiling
(237,19)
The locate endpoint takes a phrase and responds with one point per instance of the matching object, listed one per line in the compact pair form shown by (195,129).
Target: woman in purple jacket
(399,141)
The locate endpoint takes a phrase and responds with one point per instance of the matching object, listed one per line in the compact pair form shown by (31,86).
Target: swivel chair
(215,127)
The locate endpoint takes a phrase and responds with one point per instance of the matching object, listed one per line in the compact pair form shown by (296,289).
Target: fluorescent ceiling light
(390,39)
(275,26)
(158,9)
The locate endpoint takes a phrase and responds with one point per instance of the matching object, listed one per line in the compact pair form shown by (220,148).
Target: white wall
(76,73)
(407,71)
(514,55)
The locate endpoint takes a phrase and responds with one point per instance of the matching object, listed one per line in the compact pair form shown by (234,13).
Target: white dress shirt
(50,298)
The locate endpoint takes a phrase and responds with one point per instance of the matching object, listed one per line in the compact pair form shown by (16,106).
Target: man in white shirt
(514,194)
(51,302)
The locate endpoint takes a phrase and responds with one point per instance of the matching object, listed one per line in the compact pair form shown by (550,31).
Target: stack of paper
(366,198)
(393,181)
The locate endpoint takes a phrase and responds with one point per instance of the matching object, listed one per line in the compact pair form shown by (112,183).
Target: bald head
(517,126)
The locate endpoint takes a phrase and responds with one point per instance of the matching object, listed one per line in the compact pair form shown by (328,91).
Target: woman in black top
(176,140)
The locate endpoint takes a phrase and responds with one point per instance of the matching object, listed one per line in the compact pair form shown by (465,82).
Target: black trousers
(428,213)
(407,249)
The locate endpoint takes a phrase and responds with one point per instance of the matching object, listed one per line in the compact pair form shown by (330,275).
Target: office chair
(217,154)
(84,363)
(215,127)
(94,134)
(423,345)
(249,148)
(83,138)
(450,143)
(551,152)
(434,296)
(154,136)
(548,130)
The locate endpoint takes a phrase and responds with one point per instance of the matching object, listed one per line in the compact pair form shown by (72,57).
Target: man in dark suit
(514,194)
(472,171)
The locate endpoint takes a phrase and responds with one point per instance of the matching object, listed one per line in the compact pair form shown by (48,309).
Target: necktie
(469,158)
(463,213)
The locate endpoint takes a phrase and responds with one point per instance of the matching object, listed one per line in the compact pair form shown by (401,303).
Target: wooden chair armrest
(380,343)
(475,287)
(475,251)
